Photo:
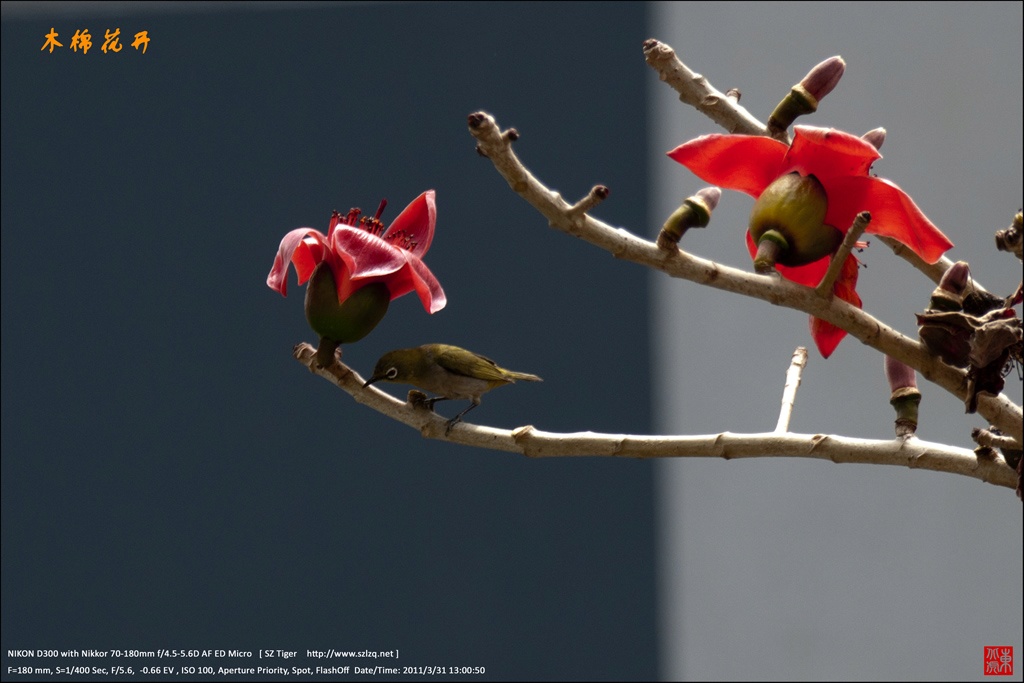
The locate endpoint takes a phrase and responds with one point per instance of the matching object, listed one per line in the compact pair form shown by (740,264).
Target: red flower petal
(417,222)
(893,214)
(371,259)
(427,287)
(826,335)
(295,249)
(748,163)
(826,152)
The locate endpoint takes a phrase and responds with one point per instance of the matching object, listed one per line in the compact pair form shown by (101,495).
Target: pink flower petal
(826,152)
(748,163)
(294,245)
(366,255)
(417,222)
(427,287)
(893,214)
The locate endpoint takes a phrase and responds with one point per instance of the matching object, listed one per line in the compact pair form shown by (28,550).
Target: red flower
(361,252)
(840,162)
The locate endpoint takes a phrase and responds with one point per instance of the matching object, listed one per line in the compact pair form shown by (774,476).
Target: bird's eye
(392,372)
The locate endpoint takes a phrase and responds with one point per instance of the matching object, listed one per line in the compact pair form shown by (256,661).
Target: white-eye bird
(449,371)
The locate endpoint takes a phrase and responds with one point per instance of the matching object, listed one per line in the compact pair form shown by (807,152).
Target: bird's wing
(469,364)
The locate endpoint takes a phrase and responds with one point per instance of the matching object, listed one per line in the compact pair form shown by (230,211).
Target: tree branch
(725,110)
(534,443)
(695,90)
(998,410)
(796,369)
(835,266)
(934,271)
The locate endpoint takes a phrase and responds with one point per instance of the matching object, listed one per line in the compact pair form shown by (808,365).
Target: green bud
(695,212)
(352,319)
(787,223)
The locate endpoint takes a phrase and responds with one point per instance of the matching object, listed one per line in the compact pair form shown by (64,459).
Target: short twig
(793,376)
(860,224)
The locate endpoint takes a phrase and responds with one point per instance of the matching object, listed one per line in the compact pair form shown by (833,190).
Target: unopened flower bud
(823,78)
(949,295)
(694,212)
(1011,238)
(804,97)
(955,279)
(905,397)
(875,137)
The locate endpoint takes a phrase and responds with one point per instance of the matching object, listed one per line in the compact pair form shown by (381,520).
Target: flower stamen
(402,240)
(372,225)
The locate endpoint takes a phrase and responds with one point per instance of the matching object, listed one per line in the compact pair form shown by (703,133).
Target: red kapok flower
(830,184)
(361,252)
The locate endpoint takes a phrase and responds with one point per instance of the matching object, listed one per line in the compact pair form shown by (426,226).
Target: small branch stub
(694,212)
(793,378)
(597,194)
(860,224)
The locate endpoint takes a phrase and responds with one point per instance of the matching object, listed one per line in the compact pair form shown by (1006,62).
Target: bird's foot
(451,423)
(418,399)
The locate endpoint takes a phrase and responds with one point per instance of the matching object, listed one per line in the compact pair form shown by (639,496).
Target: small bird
(450,371)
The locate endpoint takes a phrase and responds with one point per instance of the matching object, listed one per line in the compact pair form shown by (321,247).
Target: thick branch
(998,410)
(695,91)
(535,443)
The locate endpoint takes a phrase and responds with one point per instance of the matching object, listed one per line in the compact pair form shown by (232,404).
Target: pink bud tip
(823,78)
(900,375)
(875,137)
(710,197)
(955,279)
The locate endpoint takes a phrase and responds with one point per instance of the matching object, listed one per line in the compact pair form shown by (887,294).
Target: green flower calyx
(787,223)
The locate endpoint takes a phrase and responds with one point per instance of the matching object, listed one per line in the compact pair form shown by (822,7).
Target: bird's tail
(524,376)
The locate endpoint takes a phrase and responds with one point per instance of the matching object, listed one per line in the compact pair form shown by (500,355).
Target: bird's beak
(370,381)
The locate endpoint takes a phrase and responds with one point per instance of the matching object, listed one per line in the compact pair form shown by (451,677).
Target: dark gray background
(173,479)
